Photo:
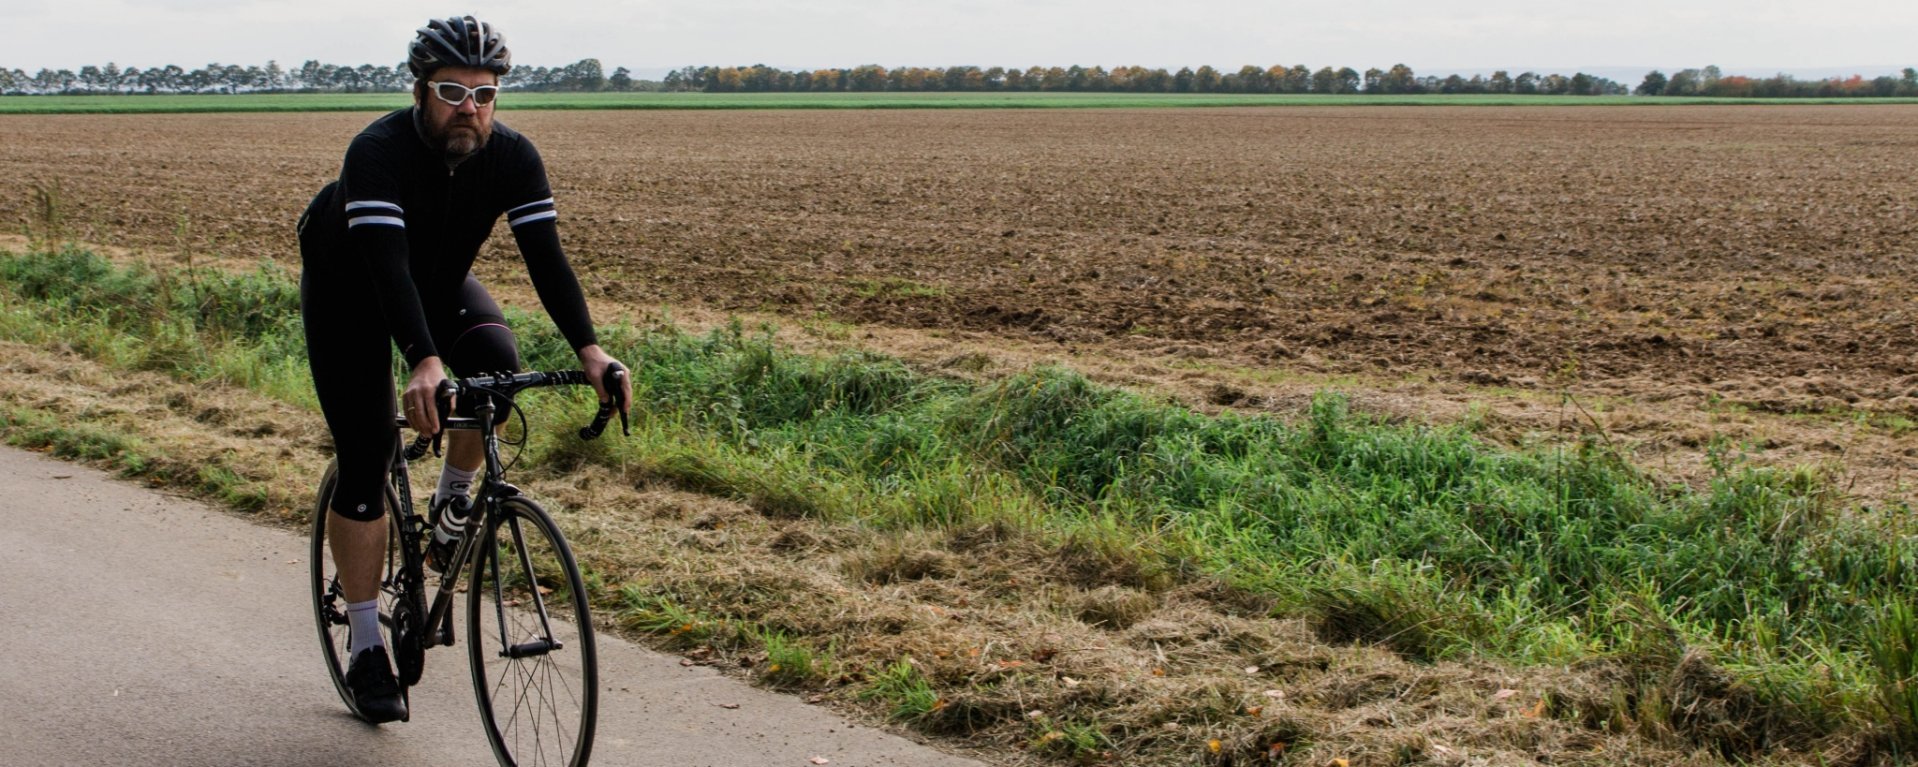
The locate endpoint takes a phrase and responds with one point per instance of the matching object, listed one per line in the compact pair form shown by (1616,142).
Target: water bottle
(452,519)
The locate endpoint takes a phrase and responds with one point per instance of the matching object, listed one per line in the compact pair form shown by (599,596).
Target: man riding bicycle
(418,194)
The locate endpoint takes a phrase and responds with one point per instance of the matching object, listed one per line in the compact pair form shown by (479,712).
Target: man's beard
(461,135)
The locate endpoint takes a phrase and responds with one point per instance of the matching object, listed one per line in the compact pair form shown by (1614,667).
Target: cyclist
(418,193)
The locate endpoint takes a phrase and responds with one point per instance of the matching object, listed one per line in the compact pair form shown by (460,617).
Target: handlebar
(509,386)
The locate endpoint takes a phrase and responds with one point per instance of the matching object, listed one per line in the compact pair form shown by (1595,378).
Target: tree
(1182,80)
(1526,84)
(583,75)
(869,77)
(1324,80)
(1054,79)
(1346,80)
(1251,79)
(1095,79)
(1206,80)
(1684,82)
(1399,79)
(1652,85)
(1501,82)
(1075,78)
(622,79)
(1298,79)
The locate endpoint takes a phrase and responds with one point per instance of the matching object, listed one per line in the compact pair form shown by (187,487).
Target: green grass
(1424,540)
(904,690)
(375,102)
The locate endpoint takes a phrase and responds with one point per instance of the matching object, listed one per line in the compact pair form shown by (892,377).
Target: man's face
(458,130)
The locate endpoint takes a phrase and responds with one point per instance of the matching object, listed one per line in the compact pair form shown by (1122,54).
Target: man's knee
(359,510)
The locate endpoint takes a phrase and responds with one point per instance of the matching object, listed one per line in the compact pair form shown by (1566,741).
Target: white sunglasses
(456,94)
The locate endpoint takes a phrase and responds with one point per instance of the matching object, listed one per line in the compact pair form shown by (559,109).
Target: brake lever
(618,388)
(614,375)
(443,401)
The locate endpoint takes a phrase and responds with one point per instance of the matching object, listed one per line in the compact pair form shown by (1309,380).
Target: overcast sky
(1751,37)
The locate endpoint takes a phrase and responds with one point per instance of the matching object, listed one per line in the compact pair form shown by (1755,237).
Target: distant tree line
(1248,79)
(590,75)
(1711,82)
(311,77)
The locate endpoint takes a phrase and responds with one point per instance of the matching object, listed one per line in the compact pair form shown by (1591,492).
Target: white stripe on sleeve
(377,220)
(353,206)
(531,217)
(547,201)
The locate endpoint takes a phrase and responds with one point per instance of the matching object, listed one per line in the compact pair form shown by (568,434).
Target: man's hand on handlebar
(422,412)
(614,385)
(595,362)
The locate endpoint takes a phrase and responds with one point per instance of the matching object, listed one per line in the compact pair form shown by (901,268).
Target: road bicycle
(529,632)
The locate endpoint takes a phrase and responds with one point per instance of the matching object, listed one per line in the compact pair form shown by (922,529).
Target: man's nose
(468,106)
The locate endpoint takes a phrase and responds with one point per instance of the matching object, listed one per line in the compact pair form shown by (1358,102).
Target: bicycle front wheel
(530,640)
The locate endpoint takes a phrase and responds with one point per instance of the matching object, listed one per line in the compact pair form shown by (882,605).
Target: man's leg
(464,450)
(477,340)
(465,455)
(359,553)
(359,549)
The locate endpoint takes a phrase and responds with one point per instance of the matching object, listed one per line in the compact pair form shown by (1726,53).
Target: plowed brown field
(1685,273)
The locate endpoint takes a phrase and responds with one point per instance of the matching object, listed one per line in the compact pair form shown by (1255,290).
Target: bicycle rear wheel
(329,603)
(530,641)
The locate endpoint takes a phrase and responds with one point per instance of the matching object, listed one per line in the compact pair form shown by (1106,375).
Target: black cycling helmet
(461,41)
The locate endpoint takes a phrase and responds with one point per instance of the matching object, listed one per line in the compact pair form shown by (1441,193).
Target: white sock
(364,618)
(455,482)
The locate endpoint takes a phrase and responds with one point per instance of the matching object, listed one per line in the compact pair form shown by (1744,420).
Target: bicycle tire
(329,604)
(540,708)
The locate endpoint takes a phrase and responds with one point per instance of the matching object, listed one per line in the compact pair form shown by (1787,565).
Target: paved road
(141,629)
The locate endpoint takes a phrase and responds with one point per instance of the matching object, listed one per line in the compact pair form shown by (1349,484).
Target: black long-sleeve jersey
(410,224)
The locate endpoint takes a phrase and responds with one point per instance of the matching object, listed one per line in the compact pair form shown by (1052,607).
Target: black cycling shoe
(375,692)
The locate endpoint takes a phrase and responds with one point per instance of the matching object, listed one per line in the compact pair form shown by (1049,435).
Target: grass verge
(1754,615)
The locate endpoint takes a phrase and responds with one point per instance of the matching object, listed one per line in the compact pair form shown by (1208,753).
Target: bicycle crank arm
(531,649)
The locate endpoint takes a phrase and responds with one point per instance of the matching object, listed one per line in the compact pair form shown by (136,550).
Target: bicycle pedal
(409,652)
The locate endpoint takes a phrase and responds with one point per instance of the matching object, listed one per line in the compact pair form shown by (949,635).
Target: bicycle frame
(492,490)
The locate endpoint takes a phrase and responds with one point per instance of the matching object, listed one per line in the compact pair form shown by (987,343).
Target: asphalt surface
(142,629)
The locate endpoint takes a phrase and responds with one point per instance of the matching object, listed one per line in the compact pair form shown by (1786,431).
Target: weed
(46,225)
(788,662)
(904,691)
(660,615)
(1067,738)
(1894,655)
